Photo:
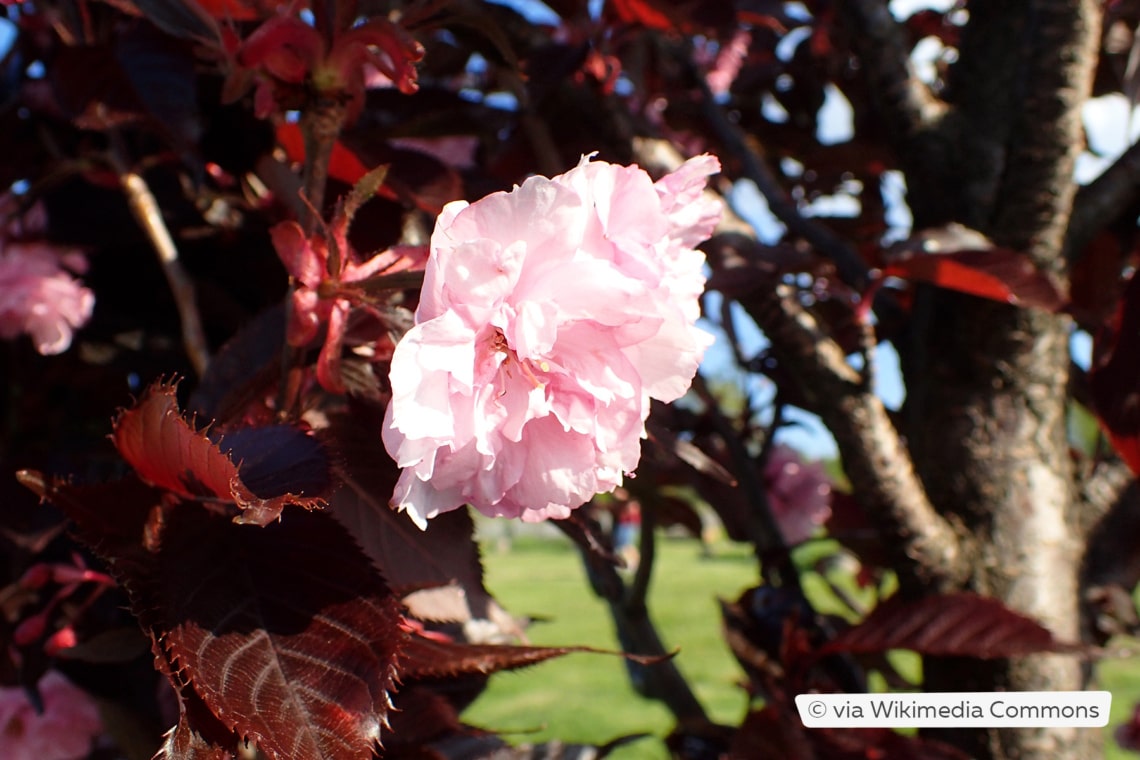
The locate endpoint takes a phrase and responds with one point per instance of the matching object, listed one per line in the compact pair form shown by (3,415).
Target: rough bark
(987,382)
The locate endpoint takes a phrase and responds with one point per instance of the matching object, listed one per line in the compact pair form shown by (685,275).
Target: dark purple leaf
(277,460)
(161,71)
(244,370)
(92,89)
(288,634)
(435,657)
(420,715)
(960,624)
(189,19)
(440,566)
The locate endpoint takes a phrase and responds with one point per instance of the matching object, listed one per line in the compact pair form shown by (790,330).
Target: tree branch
(662,681)
(928,552)
(908,106)
(772,553)
(1103,200)
(1055,78)
(321,124)
(850,266)
(1101,490)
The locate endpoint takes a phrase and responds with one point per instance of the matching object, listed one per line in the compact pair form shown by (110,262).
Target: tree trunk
(986,423)
(986,406)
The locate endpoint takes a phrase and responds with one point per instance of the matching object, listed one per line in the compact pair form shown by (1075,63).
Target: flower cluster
(549,317)
(63,730)
(38,294)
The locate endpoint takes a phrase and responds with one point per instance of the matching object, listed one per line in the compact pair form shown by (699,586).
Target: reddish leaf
(643,12)
(300,654)
(950,625)
(862,743)
(1128,734)
(412,176)
(436,657)
(1095,282)
(198,735)
(183,743)
(769,734)
(1114,377)
(114,519)
(237,10)
(167,452)
(288,634)
(958,258)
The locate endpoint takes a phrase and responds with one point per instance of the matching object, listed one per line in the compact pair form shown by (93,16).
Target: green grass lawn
(587,697)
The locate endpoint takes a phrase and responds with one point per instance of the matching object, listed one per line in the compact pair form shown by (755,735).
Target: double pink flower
(549,317)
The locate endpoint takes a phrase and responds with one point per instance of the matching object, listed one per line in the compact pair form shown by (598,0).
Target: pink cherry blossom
(40,297)
(63,731)
(549,317)
(799,493)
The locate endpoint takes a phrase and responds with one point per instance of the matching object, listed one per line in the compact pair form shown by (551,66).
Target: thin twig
(321,125)
(638,590)
(144,207)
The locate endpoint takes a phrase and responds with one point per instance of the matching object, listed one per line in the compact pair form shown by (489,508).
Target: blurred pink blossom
(729,59)
(799,493)
(40,297)
(549,317)
(63,731)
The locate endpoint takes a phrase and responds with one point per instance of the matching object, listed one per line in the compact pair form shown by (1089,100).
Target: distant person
(627,533)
